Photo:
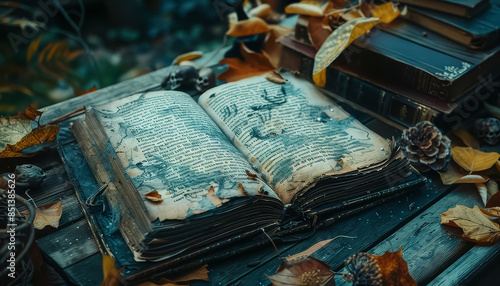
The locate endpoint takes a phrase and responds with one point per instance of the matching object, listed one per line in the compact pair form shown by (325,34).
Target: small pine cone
(426,147)
(363,269)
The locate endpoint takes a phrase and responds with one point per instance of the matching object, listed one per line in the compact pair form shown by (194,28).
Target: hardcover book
(463,8)
(181,178)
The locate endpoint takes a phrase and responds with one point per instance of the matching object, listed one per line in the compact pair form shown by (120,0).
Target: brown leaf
(79,92)
(275,77)
(473,160)
(494,200)
(187,57)
(251,175)
(304,8)
(49,214)
(454,175)
(393,268)
(318,32)
(493,211)
(271,45)
(154,196)
(476,227)
(311,272)
(248,27)
(112,275)
(242,190)
(487,190)
(252,65)
(386,12)
(260,11)
(30,113)
(42,134)
(198,274)
(306,253)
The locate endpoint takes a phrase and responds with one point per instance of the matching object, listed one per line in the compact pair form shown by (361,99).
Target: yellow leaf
(46,133)
(112,275)
(304,8)
(338,40)
(187,57)
(32,48)
(248,27)
(473,160)
(386,12)
(466,138)
(476,227)
(260,11)
(49,214)
(454,175)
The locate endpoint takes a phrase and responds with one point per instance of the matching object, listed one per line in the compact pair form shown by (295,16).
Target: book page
(167,143)
(291,132)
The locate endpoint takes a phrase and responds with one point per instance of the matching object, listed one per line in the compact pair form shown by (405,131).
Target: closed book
(480,32)
(463,8)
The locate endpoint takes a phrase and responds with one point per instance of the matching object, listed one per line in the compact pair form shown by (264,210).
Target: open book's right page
(292,133)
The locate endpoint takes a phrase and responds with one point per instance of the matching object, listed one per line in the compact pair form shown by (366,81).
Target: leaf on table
(49,214)
(13,129)
(248,27)
(476,227)
(338,40)
(466,138)
(252,64)
(187,57)
(214,199)
(154,196)
(386,12)
(393,268)
(304,8)
(274,76)
(454,175)
(487,190)
(79,92)
(494,200)
(310,272)
(42,134)
(112,275)
(306,253)
(198,274)
(474,160)
(493,211)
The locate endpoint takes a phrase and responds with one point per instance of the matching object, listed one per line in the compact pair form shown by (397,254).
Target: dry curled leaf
(468,139)
(42,134)
(154,196)
(494,200)
(311,272)
(248,27)
(252,64)
(30,113)
(393,268)
(275,77)
(187,57)
(386,12)
(49,214)
(474,160)
(271,45)
(251,175)
(493,211)
(79,92)
(338,40)
(112,275)
(304,8)
(487,190)
(476,226)
(197,274)
(212,197)
(260,11)
(454,175)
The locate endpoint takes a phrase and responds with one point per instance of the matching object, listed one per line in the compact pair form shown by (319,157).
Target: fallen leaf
(154,196)
(242,190)
(493,211)
(275,77)
(49,214)
(252,64)
(386,12)
(466,138)
(304,8)
(251,175)
(198,274)
(30,113)
(311,272)
(487,190)
(318,32)
(306,253)
(494,200)
(248,27)
(13,129)
(260,11)
(212,197)
(393,268)
(476,227)
(474,160)
(271,45)
(187,57)
(112,275)
(46,133)
(338,40)
(454,175)
(79,92)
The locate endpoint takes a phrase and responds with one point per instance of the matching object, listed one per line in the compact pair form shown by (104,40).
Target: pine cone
(426,147)
(363,270)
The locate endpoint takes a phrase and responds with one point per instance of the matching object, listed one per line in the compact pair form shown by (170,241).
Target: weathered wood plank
(70,245)
(87,272)
(369,228)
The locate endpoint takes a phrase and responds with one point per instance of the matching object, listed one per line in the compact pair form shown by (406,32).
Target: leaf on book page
(475,225)
(307,272)
(42,134)
(393,268)
(242,190)
(455,175)
(214,199)
(49,214)
(79,92)
(111,274)
(252,64)
(187,57)
(493,211)
(474,160)
(154,196)
(305,8)
(251,175)
(338,40)
(248,27)
(487,190)
(274,76)
(386,12)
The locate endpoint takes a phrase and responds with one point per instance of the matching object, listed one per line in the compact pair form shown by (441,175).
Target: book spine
(357,92)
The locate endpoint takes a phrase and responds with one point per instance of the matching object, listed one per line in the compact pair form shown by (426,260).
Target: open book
(248,157)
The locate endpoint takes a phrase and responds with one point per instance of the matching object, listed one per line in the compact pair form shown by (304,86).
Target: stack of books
(438,61)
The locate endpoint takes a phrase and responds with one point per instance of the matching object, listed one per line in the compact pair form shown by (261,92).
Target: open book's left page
(167,143)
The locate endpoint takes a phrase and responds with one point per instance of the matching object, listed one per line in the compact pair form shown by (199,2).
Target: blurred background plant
(52,50)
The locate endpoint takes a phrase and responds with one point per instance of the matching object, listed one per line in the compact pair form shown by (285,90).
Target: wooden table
(434,256)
